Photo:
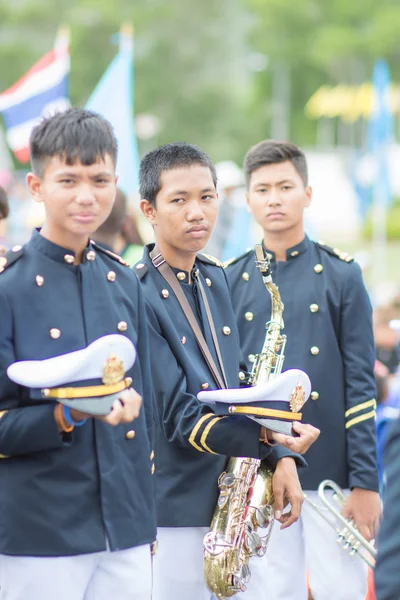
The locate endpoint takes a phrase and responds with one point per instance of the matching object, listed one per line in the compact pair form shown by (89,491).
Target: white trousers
(178,567)
(121,575)
(310,545)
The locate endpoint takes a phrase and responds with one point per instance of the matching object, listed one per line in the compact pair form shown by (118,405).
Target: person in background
(4,210)
(231,191)
(328,323)
(119,232)
(385,415)
(387,572)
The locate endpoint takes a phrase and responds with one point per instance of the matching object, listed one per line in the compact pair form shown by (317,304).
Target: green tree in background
(187,58)
(199,64)
(321,43)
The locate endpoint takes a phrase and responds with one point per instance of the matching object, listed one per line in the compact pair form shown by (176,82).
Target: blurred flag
(380,135)
(42,90)
(113,99)
(380,132)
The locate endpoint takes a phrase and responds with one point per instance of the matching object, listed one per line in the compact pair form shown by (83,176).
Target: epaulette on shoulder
(236,259)
(140,269)
(10,257)
(112,255)
(210,260)
(336,252)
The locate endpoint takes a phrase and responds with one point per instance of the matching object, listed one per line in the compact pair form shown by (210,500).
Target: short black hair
(171,156)
(3,204)
(116,219)
(74,135)
(271,152)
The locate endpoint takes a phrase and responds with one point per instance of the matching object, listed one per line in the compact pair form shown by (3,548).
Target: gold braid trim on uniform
(370,415)
(2,413)
(207,431)
(3,456)
(354,409)
(195,431)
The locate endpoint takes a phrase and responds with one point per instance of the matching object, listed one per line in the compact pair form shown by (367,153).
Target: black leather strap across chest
(166,271)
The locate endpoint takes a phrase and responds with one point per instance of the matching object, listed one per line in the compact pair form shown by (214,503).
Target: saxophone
(243,518)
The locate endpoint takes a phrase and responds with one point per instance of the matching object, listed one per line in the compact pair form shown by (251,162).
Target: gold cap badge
(113,371)
(297,398)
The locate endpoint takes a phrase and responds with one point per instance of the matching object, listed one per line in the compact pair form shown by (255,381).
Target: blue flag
(113,99)
(380,131)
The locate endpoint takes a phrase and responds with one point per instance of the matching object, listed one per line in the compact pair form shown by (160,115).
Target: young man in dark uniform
(327,319)
(76,491)
(178,191)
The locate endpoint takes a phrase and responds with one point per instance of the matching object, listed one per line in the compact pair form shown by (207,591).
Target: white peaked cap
(80,365)
(72,367)
(277,389)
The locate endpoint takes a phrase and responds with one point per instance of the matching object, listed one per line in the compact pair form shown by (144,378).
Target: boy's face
(186,208)
(277,197)
(78,198)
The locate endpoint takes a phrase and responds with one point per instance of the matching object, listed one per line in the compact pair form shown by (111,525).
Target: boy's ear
(34,183)
(149,211)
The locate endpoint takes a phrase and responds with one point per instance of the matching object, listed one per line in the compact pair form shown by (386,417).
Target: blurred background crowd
(224,75)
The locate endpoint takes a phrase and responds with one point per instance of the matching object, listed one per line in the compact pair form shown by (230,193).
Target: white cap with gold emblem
(101,366)
(275,404)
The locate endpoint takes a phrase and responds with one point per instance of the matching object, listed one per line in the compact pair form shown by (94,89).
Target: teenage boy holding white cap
(76,488)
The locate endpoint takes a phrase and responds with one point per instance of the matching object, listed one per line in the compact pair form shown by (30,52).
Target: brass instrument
(348,534)
(245,503)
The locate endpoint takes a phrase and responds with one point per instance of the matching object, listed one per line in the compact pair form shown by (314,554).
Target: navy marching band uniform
(91,489)
(387,576)
(327,320)
(192,443)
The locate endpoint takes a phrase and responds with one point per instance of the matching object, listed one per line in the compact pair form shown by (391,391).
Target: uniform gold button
(183,340)
(251,358)
(314,350)
(249,316)
(55,333)
(204,386)
(130,434)
(152,455)
(318,268)
(16,248)
(181,276)
(164,293)
(242,376)
(226,330)
(245,276)
(314,308)
(91,255)
(111,276)
(153,469)
(122,326)
(39,280)
(294,253)
(139,266)
(69,259)
(314,395)
(208,282)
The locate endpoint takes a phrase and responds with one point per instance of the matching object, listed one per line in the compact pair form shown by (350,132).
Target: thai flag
(41,91)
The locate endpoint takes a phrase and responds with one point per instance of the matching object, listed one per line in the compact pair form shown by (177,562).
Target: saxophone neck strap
(165,270)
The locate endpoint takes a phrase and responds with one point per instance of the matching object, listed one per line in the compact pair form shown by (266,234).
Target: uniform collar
(53,251)
(181,275)
(294,251)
